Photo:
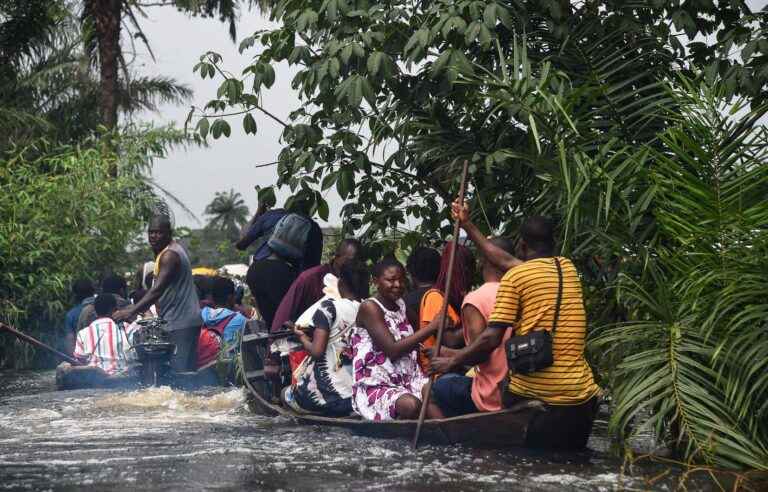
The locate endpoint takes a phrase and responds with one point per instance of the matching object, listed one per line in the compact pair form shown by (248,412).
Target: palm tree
(48,87)
(103,21)
(228,213)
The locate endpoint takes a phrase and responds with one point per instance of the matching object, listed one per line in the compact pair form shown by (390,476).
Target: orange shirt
(431,304)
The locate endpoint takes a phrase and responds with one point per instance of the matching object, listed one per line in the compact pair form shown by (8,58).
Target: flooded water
(164,439)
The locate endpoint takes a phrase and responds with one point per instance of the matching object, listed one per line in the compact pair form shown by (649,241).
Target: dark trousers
(185,357)
(453,394)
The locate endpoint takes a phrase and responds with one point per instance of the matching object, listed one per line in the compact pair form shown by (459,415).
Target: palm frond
(147,93)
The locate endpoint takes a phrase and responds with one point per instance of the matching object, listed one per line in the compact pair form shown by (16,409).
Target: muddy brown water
(164,439)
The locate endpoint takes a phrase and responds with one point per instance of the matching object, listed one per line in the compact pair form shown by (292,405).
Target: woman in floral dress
(387,379)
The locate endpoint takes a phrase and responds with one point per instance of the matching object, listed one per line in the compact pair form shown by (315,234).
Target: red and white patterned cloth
(105,344)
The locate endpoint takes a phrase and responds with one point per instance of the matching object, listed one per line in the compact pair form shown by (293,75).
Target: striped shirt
(105,344)
(526,300)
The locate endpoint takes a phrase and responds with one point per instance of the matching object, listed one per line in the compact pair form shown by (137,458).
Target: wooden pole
(444,308)
(38,343)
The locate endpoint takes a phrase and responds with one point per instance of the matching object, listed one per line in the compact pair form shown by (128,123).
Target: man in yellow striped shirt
(526,301)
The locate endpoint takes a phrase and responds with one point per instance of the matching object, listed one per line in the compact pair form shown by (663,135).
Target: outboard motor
(153,350)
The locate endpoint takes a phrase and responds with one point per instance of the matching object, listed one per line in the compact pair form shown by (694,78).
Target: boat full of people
(529,423)
(510,370)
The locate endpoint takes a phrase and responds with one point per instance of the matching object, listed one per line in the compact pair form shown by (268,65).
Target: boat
(69,377)
(151,367)
(531,423)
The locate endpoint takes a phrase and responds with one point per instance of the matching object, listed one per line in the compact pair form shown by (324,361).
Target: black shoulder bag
(533,351)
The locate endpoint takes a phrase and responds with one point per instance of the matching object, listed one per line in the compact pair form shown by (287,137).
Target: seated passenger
(112,284)
(526,301)
(423,266)
(83,294)
(432,300)
(221,323)
(481,392)
(204,287)
(388,379)
(104,343)
(324,379)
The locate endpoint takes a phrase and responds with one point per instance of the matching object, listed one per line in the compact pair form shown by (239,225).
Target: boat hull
(70,377)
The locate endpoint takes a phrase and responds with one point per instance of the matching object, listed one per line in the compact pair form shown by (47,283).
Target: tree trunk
(107,15)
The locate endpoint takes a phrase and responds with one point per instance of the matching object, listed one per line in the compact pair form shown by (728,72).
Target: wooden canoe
(527,424)
(71,377)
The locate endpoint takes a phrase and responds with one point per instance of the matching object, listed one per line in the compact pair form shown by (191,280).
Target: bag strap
(559,293)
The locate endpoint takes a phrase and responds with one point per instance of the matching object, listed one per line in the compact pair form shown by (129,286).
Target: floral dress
(379,381)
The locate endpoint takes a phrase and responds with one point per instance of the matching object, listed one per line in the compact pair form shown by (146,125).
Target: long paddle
(38,343)
(444,309)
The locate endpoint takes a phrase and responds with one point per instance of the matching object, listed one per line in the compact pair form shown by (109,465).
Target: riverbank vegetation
(638,125)
(73,190)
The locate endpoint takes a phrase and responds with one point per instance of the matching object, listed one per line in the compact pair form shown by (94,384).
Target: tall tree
(104,19)
(228,213)
(47,86)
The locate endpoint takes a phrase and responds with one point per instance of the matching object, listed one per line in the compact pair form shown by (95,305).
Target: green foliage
(696,351)
(395,96)
(63,218)
(49,88)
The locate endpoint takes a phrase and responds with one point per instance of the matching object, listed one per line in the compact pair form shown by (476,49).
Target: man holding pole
(526,301)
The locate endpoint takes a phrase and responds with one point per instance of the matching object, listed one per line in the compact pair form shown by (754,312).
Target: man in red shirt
(307,289)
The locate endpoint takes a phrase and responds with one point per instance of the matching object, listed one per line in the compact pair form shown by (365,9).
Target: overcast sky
(196,174)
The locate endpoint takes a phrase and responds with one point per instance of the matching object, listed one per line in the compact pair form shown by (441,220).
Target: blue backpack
(289,237)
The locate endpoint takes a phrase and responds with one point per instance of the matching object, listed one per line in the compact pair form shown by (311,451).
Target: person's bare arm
(169,266)
(371,318)
(412,315)
(316,345)
(497,256)
(453,338)
(477,352)
(473,321)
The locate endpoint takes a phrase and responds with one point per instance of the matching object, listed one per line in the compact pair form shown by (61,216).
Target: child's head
(204,286)
(424,265)
(223,292)
(82,288)
(354,280)
(114,284)
(105,305)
